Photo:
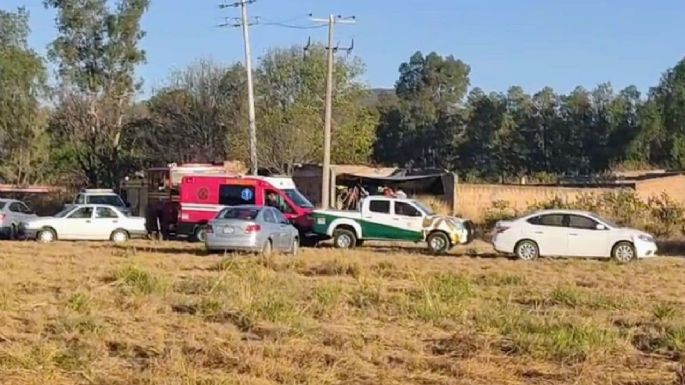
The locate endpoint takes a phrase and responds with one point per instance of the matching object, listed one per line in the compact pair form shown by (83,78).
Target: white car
(568,233)
(12,213)
(85,222)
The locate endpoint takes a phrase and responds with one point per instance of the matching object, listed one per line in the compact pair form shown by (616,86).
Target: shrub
(500,211)
(667,216)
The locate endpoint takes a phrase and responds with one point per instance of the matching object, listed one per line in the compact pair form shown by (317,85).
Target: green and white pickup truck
(390,219)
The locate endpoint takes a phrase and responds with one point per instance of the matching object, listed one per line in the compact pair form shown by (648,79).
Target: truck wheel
(438,242)
(344,239)
(200,234)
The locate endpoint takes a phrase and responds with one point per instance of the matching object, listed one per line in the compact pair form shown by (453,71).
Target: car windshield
(112,200)
(64,212)
(426,210)
(2,205)
(241,213)
(298,198)
(606,221)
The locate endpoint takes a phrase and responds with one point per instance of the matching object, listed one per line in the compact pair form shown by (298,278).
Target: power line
(294,26)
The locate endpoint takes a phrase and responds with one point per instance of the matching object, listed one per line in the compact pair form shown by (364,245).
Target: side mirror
(601,227)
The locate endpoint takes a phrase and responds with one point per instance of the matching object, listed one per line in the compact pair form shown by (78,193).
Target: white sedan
(85,222)
(568,233)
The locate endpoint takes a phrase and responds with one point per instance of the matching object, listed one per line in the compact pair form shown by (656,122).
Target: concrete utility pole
(328,120)
(252,139)
(250,90)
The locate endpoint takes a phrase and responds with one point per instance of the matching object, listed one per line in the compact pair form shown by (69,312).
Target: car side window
(268,216)
(25,209)
(580,222)
(105,212)
(15,207)
(406,210)
(80,199)
(553,220)
(235,195)
(380,207)
(280,218)
(275,200)
(82,213)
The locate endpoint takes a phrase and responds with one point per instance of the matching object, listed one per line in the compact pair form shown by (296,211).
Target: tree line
(89,126)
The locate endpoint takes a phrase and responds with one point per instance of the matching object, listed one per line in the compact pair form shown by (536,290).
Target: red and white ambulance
(203,196)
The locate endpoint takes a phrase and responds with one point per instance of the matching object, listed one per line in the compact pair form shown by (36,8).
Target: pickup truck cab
(391,219)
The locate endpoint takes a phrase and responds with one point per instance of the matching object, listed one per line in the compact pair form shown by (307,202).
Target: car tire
(344,239)
(438,242)
(119,236)
(527,250)
(267,249)
(200,234)
(13,232)
(46,236)
(295,247)
(623,252)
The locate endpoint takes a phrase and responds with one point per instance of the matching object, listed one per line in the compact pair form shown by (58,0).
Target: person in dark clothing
(151,221)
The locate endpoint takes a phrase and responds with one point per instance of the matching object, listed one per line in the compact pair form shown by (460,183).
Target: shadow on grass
(162,249)
(674,248)
(419,250)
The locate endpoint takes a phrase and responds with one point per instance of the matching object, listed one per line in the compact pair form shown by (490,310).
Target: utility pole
(252,139)
(328,120)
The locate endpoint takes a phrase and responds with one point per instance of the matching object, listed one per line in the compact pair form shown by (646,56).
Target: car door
(377,221)
(14,213)
(410,219)
(285,230)
(272,228)
(76,225)
(106,220)
(549,231)
(585,239)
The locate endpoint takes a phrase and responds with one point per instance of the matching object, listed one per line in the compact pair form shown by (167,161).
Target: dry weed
(88,313)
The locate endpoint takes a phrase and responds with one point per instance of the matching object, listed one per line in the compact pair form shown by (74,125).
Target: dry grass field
(163,313)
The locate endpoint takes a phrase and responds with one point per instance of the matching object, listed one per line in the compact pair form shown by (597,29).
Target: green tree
(666,120)
(418,126)
(197,117)
(23,141)
(96,53)
(290,102)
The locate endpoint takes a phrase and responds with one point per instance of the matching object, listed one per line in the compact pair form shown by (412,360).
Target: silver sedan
(252,228)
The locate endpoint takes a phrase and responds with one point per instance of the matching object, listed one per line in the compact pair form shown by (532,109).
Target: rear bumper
(214,242)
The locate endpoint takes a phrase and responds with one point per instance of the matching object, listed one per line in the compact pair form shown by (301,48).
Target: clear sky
(531,43)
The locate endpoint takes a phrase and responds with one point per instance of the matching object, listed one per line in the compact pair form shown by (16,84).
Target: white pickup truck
(391,219)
